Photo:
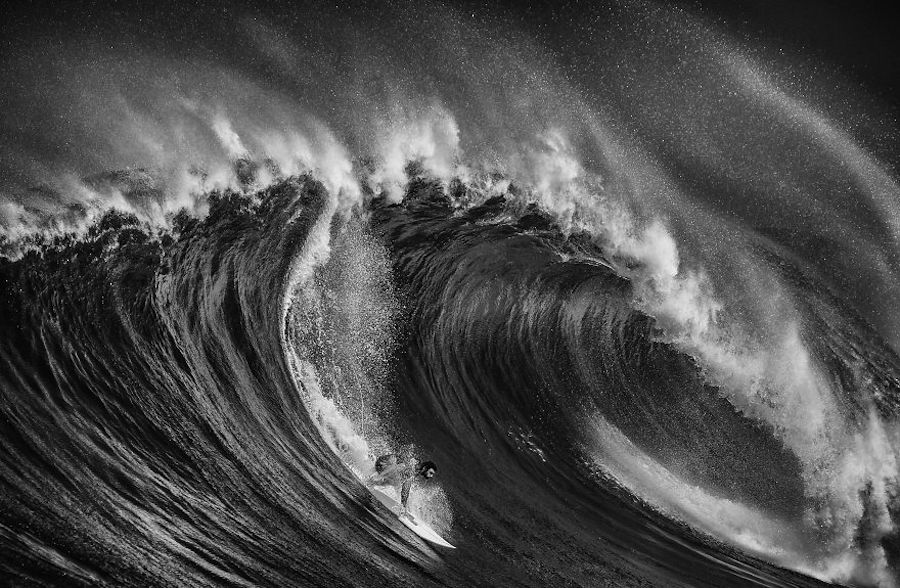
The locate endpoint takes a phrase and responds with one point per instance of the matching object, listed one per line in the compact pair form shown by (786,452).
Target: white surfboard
(415,525)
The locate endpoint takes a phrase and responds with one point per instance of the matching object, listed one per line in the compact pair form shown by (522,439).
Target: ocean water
(640,307)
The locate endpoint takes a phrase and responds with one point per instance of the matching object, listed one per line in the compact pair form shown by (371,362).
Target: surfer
(388,472)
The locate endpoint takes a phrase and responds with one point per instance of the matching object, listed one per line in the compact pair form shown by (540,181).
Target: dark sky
(858,37)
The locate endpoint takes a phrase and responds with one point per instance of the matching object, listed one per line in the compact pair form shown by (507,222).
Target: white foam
(337,430)
(229,139)
(428,135)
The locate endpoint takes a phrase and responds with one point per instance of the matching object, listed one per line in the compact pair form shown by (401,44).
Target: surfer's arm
(404,492)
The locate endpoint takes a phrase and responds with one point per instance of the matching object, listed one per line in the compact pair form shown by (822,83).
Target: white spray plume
(429,136)
(229,139)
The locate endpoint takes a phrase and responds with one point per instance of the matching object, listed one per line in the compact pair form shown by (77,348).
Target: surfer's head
(427,469)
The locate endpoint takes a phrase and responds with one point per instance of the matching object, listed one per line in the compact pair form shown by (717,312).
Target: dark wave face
(636,297)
